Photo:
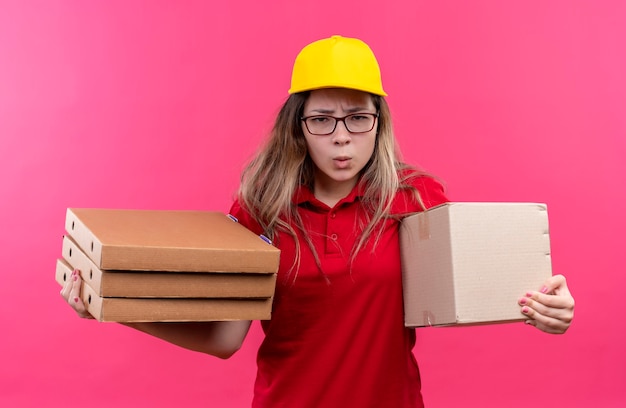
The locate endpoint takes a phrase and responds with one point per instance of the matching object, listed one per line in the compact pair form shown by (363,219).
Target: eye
(358,117)
(319,119)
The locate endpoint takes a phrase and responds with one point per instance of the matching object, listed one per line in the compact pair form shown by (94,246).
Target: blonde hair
(270,180)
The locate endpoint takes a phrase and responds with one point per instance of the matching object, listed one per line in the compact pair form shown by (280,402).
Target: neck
(330,192)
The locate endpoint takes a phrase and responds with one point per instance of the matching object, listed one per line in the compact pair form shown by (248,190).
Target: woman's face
(340,156)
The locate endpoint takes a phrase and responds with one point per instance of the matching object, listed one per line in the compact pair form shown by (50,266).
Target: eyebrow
(330,111)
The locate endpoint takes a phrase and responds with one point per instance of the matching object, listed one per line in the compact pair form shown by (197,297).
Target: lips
(342,162)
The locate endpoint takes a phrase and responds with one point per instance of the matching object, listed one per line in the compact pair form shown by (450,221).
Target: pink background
(158,104)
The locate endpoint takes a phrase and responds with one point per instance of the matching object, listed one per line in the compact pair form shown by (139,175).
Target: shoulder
(416,186)
(238,211)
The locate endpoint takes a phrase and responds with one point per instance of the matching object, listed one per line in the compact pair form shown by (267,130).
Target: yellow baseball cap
(337,62)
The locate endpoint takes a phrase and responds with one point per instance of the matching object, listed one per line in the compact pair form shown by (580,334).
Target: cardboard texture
(167,284)
(468,263)
(179,241)
(154,265)
(166,310)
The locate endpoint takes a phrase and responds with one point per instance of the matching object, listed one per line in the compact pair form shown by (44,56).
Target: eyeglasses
(325,125)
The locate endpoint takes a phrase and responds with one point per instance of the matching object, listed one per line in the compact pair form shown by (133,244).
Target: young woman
(329,189)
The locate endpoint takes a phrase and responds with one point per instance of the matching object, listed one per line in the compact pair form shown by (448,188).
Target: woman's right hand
(71,294)
(219,338)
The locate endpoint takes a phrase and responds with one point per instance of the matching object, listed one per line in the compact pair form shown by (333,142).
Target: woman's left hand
(551,309)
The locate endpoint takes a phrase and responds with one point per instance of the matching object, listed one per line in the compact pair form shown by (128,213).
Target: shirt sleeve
(430,190)
(244,218)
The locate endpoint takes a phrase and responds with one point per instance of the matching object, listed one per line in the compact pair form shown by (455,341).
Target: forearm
(220,339)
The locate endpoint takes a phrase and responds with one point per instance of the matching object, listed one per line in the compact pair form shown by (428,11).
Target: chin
(344,178)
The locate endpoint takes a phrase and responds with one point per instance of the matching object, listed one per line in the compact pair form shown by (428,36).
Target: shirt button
(333,215)
(333,237)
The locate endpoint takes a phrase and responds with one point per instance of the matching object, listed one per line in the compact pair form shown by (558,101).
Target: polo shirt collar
(304,195)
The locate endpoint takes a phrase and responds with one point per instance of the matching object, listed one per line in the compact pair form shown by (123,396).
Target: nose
(341,135)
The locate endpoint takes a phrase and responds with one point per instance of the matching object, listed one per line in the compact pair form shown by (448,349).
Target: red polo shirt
(337,336)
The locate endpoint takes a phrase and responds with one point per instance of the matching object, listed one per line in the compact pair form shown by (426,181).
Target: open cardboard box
(468,263)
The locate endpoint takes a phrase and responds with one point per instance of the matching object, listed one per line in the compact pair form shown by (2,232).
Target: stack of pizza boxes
(155,265)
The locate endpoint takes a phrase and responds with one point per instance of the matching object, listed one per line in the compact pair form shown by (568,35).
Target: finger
(531,322)
(67,286)
(551,327)
(533,309)
(73,295)
(544,323)
(556,284)
(560,301)
(75,299)
(554,293)
(80,308)
(551,309)
(551,306)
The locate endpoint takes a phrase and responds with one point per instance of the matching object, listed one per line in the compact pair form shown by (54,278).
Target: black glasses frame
(340,119)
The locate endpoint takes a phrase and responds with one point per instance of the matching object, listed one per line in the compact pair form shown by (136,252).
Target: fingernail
(75,278)
(523,300)
(544,289)
(529,294)
(74,272)
(525,309)
(75,300)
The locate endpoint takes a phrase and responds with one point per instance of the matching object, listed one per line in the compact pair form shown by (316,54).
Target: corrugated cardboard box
(157,265)
(468,263)
(161,240)
(156,284)
(113,309)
